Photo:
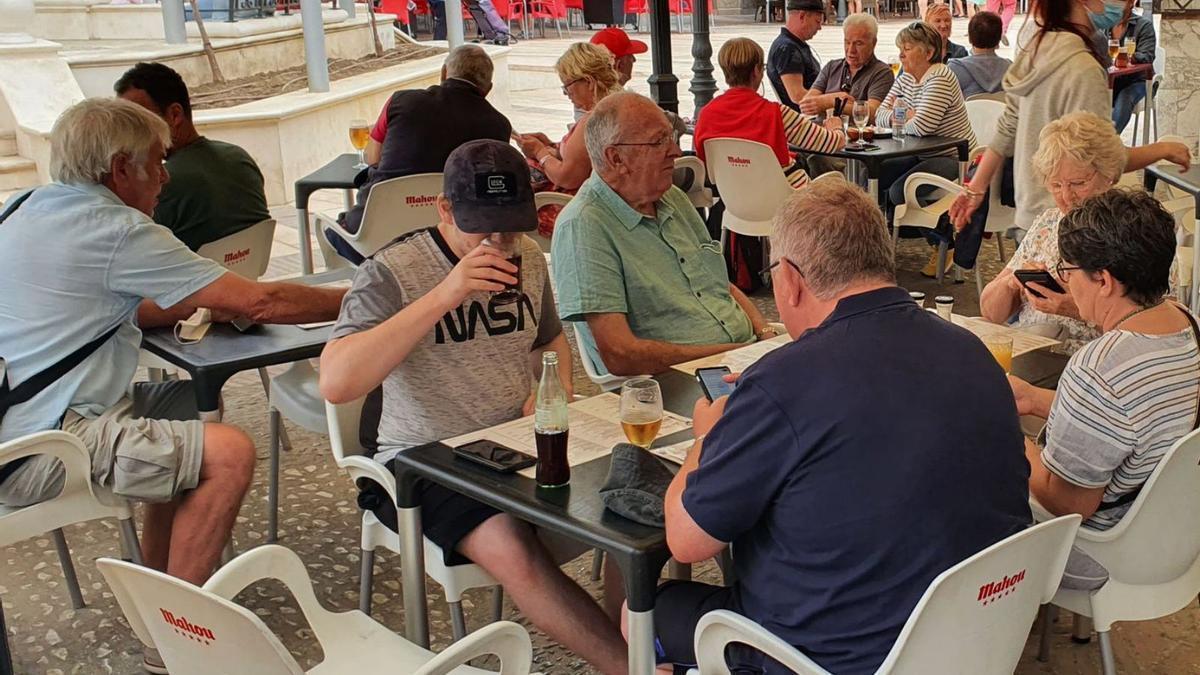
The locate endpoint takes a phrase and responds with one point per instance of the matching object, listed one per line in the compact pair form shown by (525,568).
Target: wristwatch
(765,330)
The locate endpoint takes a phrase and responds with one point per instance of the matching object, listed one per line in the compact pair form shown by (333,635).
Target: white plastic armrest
(721,627)
(505,639)
(59,444)
(322,221)
(362,467)
(272,561)
(922,179)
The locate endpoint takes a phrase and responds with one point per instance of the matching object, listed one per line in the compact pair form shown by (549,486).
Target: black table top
(1185,180)
(224,348)
(901,147)
(338,174)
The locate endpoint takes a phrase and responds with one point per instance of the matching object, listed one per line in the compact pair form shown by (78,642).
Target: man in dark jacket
(1130,89)
(423,126)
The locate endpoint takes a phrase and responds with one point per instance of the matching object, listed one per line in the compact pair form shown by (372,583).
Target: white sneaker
(152,662)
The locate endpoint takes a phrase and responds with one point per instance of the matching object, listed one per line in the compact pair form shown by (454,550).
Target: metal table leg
(412,560)
(1146,103)
(302,231)
(6,667)
(641,643)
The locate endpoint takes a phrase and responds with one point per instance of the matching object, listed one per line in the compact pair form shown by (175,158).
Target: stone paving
(319,518)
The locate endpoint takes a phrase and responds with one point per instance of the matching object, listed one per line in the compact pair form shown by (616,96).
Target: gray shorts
(146,451)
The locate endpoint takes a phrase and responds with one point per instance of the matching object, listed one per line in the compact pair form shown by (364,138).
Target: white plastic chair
(912,214)
(606,380)
(394,207)
(1160,65)
(247,252)
(79,502)
(349,454)
(541,199)
(1152,555)
(958,626)
(199,630)
(750,182)
(691,175)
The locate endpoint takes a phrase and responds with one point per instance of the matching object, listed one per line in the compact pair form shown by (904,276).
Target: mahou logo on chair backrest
(236,256)
(420,200)
(187,628)
(737,161)
(993,591)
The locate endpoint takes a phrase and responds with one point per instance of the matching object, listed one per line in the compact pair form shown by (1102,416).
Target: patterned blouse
(1040,247)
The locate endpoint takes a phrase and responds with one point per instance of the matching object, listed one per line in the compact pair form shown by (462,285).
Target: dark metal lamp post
(663,83)
(703,85)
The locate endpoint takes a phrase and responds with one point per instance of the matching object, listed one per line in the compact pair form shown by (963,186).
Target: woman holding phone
(1079,156)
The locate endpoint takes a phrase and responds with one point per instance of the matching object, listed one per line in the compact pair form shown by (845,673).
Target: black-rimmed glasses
(765,274)
(567,86)
(1060,270)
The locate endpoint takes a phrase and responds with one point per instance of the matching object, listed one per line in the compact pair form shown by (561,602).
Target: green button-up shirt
(665,274)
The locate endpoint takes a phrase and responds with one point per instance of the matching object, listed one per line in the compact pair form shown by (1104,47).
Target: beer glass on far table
(360,133)
(641,410)
(1001,347)
(1113,48)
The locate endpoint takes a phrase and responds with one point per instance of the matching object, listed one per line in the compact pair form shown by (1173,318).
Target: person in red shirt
(741,112)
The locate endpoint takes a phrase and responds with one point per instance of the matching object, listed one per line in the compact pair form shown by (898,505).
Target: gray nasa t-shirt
(473,369)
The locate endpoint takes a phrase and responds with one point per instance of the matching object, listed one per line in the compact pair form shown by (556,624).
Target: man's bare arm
(624,353)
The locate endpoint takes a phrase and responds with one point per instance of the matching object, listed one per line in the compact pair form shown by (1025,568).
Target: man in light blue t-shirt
(82,256)
(633,259)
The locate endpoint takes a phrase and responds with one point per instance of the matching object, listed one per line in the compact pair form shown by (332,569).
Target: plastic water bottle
(899,113)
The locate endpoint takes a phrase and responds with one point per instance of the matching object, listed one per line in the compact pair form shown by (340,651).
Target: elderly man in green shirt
(632,257)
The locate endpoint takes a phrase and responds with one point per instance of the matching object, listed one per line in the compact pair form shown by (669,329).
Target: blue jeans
(966,243)
(1125,99)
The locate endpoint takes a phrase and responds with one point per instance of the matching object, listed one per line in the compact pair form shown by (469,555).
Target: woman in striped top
(742,113)
(1126,397)
(935,108)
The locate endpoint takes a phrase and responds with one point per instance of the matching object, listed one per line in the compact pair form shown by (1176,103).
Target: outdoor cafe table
(1146,70)
(1188,181)
(575,511)
(337,175)
(892,148)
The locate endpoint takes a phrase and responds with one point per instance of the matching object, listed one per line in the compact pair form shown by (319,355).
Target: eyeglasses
(567,86)
(765,274)
(668,138)
(1073,186)
(1060,270)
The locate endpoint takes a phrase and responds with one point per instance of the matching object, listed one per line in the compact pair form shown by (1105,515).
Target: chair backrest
(1159,537)
(691,176)
(395,207)
(975,617)
(994,96)
(983,115)
(751,183)
(343,421)
(247,252)
(589,358)
(195,631)
(547,198)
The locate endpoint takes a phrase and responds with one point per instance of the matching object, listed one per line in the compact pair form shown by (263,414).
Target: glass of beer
(895,65)
(508,246)
(360,133)
(641,410)
(1001,347)
(1113,48)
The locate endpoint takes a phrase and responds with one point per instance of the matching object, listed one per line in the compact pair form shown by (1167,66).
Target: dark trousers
(438,9)
(894,172)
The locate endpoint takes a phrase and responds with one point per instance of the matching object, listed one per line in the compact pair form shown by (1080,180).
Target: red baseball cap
(618,42)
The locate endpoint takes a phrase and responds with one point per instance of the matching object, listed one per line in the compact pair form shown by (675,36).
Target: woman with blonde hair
(1078,156)
(741,112)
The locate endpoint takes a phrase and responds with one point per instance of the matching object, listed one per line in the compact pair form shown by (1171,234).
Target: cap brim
(638,47)
(488,219)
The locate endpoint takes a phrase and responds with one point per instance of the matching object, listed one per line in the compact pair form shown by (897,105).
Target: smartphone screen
(494,455)
(1040,277)
(712,382)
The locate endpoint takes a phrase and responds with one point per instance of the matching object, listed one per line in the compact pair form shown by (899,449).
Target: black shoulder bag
(1129,497)
(31,387)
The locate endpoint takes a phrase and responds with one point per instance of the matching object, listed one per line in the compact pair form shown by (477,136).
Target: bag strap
(1129,497)
(34,385)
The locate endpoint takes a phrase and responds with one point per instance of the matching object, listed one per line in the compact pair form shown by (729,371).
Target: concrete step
(8,143)
(17,172)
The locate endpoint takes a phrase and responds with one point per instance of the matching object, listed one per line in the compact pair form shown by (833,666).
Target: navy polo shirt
(853,466)
(789,55)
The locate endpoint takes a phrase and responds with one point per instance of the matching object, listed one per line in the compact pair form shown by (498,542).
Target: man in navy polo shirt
(791,65)
(846,471)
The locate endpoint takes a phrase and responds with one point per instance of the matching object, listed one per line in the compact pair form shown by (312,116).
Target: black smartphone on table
(712,382)
(495,456)
(1039,277)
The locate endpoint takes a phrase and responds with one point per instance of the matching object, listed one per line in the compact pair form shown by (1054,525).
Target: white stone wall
(1178,102)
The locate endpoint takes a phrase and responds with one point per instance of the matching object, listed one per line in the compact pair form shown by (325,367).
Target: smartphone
(495,456)
(242,324)
(713,383)
(1040,277)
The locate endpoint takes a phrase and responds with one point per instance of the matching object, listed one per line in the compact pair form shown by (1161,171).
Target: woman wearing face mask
(1057,71)
(741,112)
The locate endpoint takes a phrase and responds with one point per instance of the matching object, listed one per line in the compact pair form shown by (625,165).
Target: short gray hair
(603,126)
(835,235)
(89,134)
(921,34)
(470,63)
(862,20)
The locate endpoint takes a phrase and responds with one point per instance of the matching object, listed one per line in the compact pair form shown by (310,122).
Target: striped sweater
(1124,399)
(807,136)
(937,102)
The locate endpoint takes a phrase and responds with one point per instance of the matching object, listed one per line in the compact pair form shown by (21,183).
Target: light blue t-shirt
(74,262)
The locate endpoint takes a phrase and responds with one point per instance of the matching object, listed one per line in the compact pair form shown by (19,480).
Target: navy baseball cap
(487,183)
